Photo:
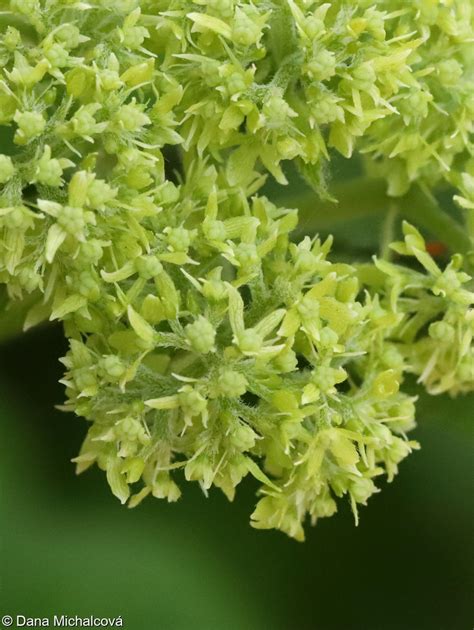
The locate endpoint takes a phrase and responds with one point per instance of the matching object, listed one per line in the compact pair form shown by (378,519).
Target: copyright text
(61,621)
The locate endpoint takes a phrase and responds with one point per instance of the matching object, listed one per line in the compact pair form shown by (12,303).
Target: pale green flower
(202,335)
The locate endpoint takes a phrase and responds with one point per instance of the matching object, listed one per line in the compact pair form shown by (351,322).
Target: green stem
(364,197)
(419,207)
(282,33)
(388,232)
(357,198)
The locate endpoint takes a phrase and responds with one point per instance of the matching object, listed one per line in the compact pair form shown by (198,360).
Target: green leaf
(121,274)
(240,165)
(208,23)
(232,118)
(256,472)
(54,240)
(270,322)
(236,311)
(69,305)
(116,479)
(165,402)
(140,326)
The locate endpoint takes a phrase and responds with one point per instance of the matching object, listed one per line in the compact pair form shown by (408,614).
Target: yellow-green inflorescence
(202,337)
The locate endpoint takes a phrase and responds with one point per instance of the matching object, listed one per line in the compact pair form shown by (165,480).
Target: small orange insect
(436,248)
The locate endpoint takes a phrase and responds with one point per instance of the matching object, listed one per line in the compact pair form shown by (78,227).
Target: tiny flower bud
(30,125)
(249,341)
(7,170)
(148,267)
(201,335)
(232,384)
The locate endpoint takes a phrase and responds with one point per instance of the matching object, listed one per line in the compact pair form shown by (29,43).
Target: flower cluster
(202,338)
(439,302)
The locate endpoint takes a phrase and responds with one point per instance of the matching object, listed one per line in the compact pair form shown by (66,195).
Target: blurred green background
(68,547)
